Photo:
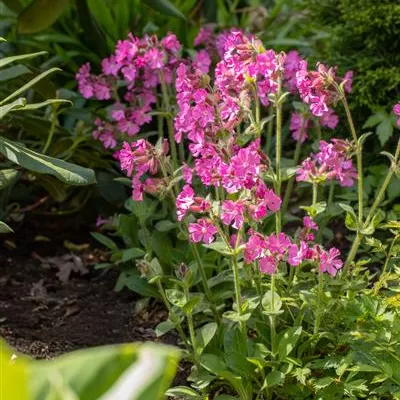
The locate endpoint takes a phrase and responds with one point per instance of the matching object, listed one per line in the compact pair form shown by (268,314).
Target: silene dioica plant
(264,308)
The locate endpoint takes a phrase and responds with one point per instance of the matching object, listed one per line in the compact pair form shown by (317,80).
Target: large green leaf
(7,176)
(15,105)
(40,14)
(62,170)
(164,7)
(123,372)
(8,60)
(28,85)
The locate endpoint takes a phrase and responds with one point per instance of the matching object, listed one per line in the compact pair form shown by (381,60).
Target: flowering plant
(257,292)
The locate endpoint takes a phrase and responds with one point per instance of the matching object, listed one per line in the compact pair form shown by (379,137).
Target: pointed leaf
(4,228)
(8,60)
(62,170)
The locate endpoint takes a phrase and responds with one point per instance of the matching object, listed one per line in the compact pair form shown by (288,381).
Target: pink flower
(299,125)
(268,265)
(202,62)
(255,248)
(187,174)
(309,223)
(125,157)
(329,119)
(329,261)
(202,231)
(396,111)
(297,254)
(183,201)
(233,212)
(348,78)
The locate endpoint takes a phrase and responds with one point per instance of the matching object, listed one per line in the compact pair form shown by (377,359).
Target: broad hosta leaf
(40,14)
(123,372)
(164,7)
(8,60)
(62,170)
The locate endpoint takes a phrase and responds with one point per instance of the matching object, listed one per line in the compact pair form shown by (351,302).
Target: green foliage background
(363,36)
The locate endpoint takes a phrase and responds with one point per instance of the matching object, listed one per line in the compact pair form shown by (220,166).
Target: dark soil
(44,312)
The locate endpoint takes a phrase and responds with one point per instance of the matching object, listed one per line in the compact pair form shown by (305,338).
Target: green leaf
(130,254)
(64,171)
(133,281)
(35,106)
(363,138)
(204,336)
(375,119)
(274,378)
(191,304)
(15,105)
(40,14)
(164,7)
(163,327)
(102,13)
(7,176)
(288,342)
(225,397)
(165,226)
(105,240)
(4,228)
(176,297)
(127,371)
(183,391)
(113,191)
(271,305)
(384,131)
(28,85)
(8,60)
(316,209)
(219,246)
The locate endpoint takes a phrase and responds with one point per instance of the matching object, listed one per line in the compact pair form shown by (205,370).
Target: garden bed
(43,316)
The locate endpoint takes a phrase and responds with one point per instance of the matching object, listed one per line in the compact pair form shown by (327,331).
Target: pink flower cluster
(332,162)
(139,159)
(396,111)
(271,250)
(136,68)
(319,88)
(300,124)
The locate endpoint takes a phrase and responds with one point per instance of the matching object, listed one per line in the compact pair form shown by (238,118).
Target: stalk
(320,294)
(51,131)
(359,160)
(278,150)
(192,334)
(296,159)
(174,318)
(170,123)
(375,205)
(269,132)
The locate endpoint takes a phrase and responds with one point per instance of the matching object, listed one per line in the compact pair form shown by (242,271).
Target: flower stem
(314,193)
(296,159)
(319,301)
(269,131)
(204,280)
(52,130)
(359,160)
(375,205)
(174,318)
(192,333)
(170,122)
(278,150)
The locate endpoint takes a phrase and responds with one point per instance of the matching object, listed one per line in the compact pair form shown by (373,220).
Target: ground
(52,300)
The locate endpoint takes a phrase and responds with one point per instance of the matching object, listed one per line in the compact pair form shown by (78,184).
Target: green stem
(320,294)
(328,207)
(192,333)
(174,318)
(52,130)
(290,184)
(269,131)
(278,150)
(170,123)
(371,214)
(359,160)
(314,193)
(204,280)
